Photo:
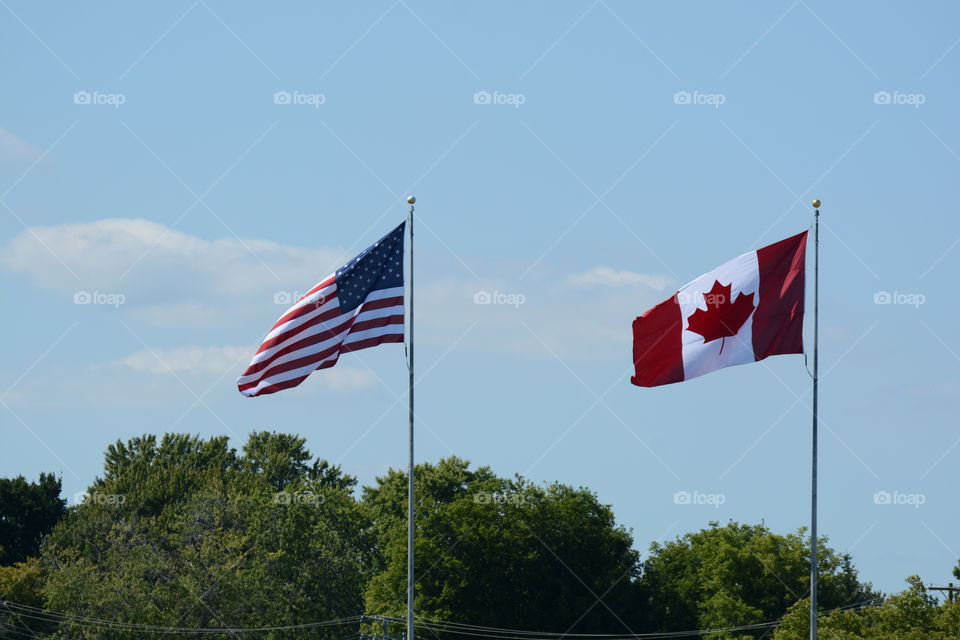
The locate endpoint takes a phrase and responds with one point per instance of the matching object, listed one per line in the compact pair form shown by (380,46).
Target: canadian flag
(742,311)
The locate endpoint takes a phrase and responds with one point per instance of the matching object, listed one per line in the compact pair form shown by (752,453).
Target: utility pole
(385,631)
(950,589)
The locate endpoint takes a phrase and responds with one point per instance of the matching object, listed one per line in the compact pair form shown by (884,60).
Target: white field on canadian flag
(699,357)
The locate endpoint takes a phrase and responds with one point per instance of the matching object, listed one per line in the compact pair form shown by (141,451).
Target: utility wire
(44,615)
(453,628)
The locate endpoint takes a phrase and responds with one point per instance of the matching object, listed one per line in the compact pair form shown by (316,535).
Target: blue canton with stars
(377,267)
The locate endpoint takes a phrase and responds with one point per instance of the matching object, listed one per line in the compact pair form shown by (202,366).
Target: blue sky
(161,199)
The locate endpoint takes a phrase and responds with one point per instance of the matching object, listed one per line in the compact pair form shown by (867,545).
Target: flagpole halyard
(814,570)
(410,468)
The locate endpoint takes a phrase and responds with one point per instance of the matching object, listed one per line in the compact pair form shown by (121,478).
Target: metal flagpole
(410,506)
(813,494)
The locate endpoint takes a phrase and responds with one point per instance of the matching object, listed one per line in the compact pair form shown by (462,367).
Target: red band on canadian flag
(743,311)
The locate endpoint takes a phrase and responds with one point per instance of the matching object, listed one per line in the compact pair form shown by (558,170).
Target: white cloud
(341,378)
(607,276)
(552,321)
(163,270)
(231,361)
(187,360)
(184,281)
(13,150)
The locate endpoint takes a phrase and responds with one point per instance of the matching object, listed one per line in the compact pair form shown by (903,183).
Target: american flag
(358,306)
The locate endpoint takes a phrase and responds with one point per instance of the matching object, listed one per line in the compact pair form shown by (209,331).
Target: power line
(457,628)
(45,615)
(452,628)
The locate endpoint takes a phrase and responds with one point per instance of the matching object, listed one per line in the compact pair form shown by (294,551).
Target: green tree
(503,552)
(28,511)
(910,615)
(733,575)
(188,532)
(20,584)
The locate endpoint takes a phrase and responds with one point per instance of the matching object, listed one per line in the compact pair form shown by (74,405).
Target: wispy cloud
(607,276)
(181,277)
(231,360)
(183,281)
(186,360)
(14,150)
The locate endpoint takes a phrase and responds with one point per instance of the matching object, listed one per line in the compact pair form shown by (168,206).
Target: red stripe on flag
(267,369)
(356,346)
(322,319)
(333,329)
(657,346)
(280,386)
(293,313)
(326,316)
(371,342)
(778,320)
(376,323)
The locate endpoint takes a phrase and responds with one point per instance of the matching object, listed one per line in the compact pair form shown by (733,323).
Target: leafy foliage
(20,583)
(503,552)
(28,511)
(190,533)
(740,574)
(910,615)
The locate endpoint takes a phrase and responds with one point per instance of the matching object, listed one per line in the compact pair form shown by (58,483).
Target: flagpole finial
(816,204)
(412,200)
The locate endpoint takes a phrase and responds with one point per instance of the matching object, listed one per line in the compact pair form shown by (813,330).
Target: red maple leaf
(723,316)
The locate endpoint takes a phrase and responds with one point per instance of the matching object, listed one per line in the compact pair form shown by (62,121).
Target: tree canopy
(503,552)
(182,531)
(910,615)
(28,511)
(188,532)
(736,574)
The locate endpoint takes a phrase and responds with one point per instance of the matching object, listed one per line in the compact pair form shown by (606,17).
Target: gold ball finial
(816,204)
(412,200)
